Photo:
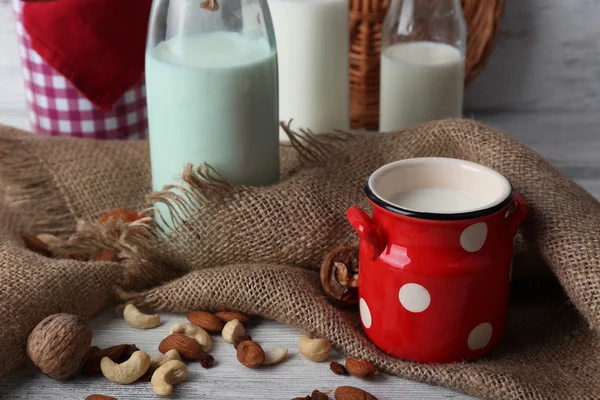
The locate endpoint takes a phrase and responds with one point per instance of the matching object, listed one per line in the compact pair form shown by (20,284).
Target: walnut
(339,275)
(59,345)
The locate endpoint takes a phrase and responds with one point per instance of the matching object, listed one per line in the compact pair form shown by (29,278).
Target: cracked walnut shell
(339,276)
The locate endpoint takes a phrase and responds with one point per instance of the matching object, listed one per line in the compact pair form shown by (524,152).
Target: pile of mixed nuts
(60,346)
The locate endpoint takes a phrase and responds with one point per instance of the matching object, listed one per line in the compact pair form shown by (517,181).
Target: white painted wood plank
(547,58)
(227,380)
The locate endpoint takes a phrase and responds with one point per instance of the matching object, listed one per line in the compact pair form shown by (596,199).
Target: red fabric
(98,45)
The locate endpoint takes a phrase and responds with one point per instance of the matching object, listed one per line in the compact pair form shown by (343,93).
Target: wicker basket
(366,18)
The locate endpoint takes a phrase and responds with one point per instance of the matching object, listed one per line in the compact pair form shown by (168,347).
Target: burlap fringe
(142,300)
(93,237)
(313,148)
(203,185)
(138,273)
(200,186)
(31,191)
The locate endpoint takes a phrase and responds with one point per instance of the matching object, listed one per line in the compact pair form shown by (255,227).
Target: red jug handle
(516,214)
(363,225)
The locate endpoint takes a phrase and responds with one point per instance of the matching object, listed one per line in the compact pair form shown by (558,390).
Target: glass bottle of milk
(314,76)
(422,62)
(211,79)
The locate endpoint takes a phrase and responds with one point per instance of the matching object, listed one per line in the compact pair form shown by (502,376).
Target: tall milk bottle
(313,52)
(422,63)
(211,77)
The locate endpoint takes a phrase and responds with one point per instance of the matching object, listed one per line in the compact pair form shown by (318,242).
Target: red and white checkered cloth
(56,107)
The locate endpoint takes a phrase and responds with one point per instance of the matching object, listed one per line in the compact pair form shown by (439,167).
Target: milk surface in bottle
(422,63)
(313,50)
(421,81)
(211,78)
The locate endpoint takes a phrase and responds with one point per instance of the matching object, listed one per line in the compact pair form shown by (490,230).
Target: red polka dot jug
(435,258)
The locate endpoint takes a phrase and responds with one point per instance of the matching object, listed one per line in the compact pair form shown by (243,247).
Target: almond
(227,316)
(34,244)
(250,354)
(187,347)
(99,397)
(76,255)
(361,368)
(206,321)
(119,214)
(106,255)
(92,364)
(352,393)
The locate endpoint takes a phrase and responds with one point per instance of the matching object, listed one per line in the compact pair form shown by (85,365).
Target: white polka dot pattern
(414,297)
(473,238)
(365,313)
(480,336)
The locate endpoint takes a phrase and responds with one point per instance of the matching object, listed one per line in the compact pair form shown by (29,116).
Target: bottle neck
(439,21)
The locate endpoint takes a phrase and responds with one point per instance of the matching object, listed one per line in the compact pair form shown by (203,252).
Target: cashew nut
(139,320)
(128,371)
(49,239)
(232,330)
(164,358)
(167,375)
(195,332)
(275,355)
(314,349)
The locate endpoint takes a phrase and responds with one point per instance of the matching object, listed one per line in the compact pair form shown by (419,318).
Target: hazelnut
(241,339)
(250,354)
(314,349)
(59,345)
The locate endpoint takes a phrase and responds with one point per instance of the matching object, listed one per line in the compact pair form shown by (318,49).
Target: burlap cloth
(257,250)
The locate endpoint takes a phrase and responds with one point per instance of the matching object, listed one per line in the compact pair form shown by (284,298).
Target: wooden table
(565,132)
(228,379)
